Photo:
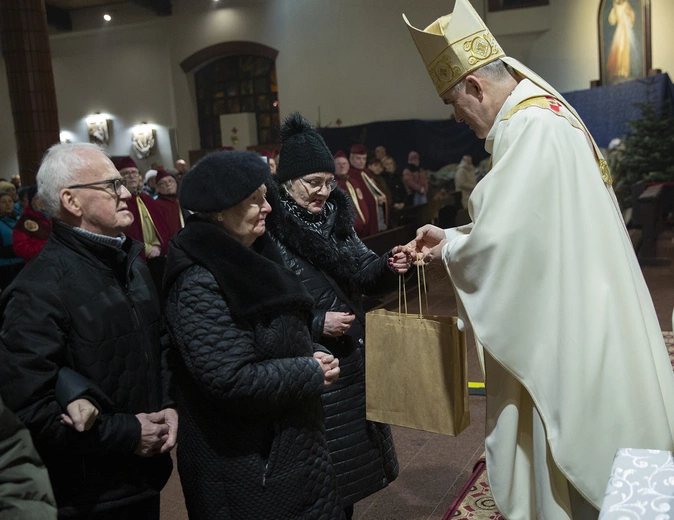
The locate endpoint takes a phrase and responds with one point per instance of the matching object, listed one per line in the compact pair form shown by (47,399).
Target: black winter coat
(93,308)
(251,443)
(362,451)
(25,491)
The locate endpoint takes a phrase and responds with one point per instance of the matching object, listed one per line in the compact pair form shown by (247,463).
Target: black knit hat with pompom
(303,150)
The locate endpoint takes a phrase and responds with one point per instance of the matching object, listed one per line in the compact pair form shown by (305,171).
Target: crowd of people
(251,328)
(25,226)
(377,188)
(220,310)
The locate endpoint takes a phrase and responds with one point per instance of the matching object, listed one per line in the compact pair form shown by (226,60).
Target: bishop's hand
(429,242)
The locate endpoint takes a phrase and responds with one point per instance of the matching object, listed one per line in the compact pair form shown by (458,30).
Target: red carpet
(475,500)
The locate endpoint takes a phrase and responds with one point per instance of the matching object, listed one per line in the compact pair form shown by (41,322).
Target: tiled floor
(433,467)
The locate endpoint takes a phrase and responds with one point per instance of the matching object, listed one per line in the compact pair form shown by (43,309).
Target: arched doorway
(235,77)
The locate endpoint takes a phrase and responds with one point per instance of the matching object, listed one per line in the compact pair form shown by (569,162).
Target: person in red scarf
(354,187)
(33,228)
(374,198)
(167,202)
(149,225)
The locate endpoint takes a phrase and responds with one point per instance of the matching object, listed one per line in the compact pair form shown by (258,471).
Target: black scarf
(253,280)
(325,249)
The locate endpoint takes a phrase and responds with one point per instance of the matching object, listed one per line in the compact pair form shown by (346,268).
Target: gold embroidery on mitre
(443,73)
(480,48)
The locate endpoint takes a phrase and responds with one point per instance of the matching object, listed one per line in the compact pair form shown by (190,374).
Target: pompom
(295,124)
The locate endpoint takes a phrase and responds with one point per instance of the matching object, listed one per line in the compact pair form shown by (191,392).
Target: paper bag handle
(402,291)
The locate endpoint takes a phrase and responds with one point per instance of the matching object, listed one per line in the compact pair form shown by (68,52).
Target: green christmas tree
(649,147)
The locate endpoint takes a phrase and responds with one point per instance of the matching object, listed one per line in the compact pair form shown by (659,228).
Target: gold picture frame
(624,40)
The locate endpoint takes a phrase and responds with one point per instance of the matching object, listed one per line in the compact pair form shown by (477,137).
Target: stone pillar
(25,48)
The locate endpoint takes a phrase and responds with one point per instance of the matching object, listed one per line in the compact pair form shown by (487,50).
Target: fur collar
(253,280)
(325,251)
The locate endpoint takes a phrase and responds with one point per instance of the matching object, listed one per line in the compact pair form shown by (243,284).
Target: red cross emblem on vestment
(554,104)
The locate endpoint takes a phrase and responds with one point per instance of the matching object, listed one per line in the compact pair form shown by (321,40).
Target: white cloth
(640,487)
(576,366)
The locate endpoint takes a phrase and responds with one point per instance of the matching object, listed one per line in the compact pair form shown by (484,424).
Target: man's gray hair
(59,169)
(494,71)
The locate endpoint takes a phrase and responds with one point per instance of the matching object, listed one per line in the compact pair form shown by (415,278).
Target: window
(234,84)
(501,5)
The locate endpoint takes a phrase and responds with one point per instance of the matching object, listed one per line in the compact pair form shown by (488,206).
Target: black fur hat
(303,150)
(221,180)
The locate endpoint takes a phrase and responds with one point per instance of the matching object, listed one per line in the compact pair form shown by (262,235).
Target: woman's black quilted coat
(362,451)
(251,442)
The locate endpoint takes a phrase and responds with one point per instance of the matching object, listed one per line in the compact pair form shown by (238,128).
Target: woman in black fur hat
(249,379)
(312,222)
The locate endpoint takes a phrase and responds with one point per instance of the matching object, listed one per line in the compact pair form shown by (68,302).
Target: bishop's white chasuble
(546,275)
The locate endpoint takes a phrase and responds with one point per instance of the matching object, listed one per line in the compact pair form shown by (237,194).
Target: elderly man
(574,359)
(167,202)
(81,329)
(149,225)
(373,196)
(354,186)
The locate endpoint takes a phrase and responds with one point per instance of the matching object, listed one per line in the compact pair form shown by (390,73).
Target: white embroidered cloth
(641,486)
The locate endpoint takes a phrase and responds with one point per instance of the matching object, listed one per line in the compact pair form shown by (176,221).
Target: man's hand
(329,365)
(155,252)
(337,323)
(81,415)
(154,433)
(429,241)
(170,419)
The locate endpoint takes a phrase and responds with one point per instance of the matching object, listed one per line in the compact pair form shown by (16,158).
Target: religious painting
(624,40)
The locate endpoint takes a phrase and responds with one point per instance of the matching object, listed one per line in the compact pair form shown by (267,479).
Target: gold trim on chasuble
(354,198)
(552,104)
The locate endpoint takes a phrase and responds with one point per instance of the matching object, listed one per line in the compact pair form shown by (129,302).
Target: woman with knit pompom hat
(312,222)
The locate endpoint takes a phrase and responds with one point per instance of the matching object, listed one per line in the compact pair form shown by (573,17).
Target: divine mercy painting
(624,40)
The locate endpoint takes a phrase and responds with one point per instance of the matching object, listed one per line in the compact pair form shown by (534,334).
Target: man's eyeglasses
(115,183)
(317,184)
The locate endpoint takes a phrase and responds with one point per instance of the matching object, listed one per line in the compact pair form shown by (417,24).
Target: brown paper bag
(416,372)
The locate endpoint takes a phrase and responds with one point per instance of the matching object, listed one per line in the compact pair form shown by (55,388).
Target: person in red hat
(374,197)
(149,225)
(33,228)
(167,202)
(353,185)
